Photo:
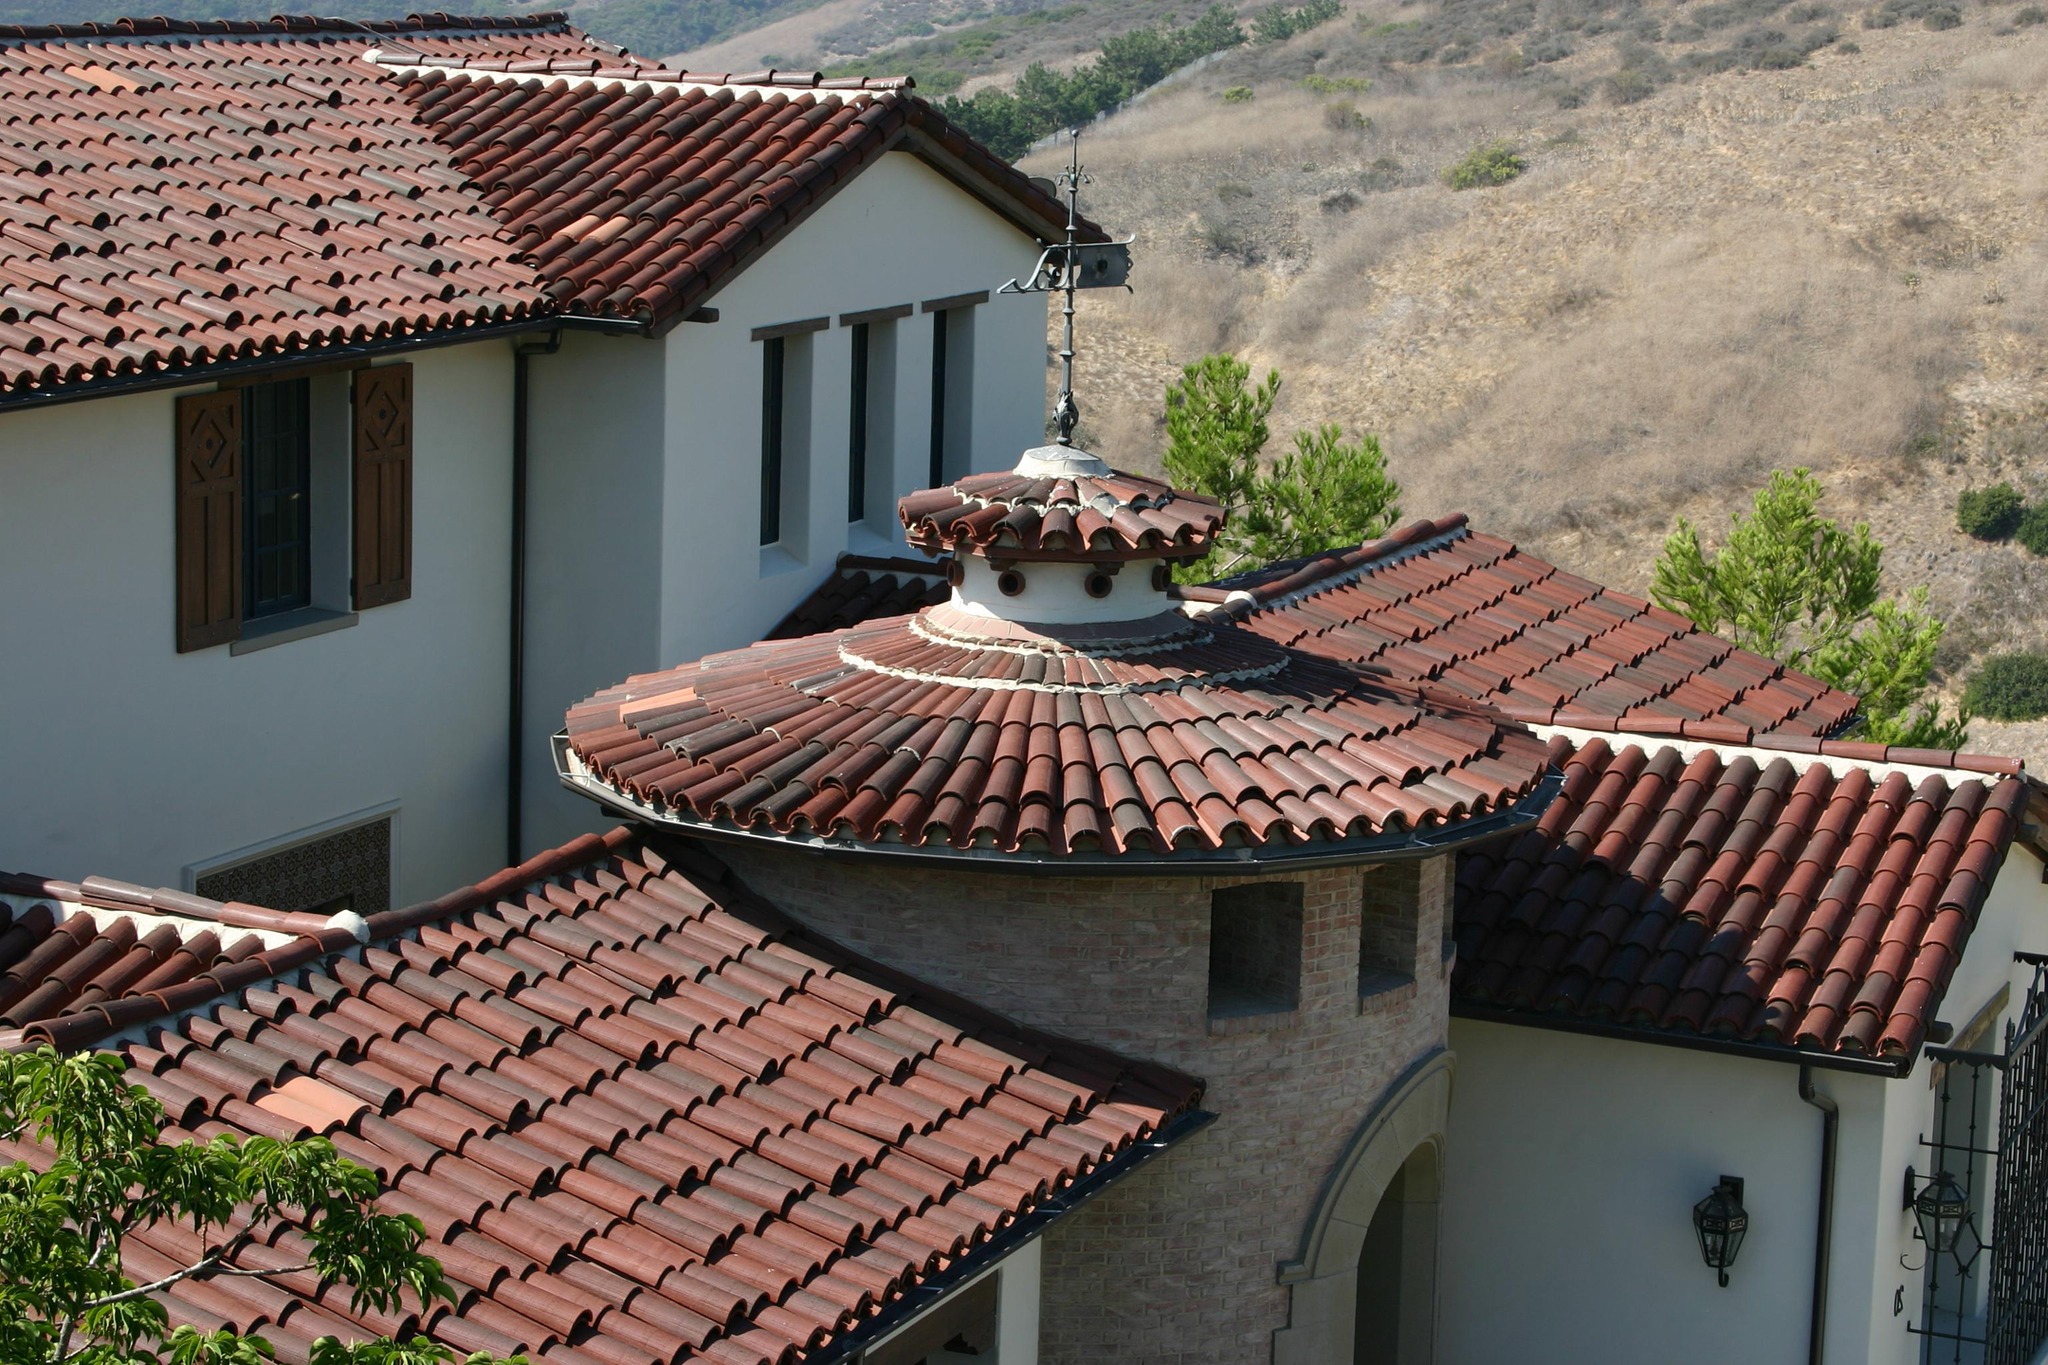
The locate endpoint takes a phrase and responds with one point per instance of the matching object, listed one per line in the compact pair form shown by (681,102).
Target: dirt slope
(1843,265)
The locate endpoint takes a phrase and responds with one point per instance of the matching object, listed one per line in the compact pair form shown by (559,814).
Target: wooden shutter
(383,485)
(209,519)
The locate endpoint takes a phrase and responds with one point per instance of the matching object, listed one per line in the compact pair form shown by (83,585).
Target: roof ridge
(1731,737)
(623,68)
(1332,568)
(437,21)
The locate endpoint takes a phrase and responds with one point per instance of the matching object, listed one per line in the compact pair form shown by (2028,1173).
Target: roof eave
(1426,843)
(1888,1068)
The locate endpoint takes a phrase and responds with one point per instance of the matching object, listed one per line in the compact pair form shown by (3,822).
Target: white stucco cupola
(1062,539)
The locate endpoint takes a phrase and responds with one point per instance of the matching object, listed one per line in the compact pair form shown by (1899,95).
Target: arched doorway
(1363,1288)
(1396,1306)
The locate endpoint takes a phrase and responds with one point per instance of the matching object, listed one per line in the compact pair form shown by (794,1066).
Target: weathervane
(1067,266)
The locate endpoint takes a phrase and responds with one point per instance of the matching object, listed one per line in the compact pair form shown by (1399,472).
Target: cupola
(1062,539)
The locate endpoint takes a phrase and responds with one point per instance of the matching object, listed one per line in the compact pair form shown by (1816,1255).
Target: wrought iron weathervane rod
(1067,266)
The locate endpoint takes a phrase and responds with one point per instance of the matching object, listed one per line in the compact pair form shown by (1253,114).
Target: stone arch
(1402,1138)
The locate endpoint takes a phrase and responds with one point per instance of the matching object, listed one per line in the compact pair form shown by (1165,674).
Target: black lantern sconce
(1939,1210)
(1721,1222)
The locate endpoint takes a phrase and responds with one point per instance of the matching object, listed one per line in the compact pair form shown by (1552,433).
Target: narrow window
(771,439)
(857,429)
(1389,925)
(277,535)
(939,349)
(1255,949)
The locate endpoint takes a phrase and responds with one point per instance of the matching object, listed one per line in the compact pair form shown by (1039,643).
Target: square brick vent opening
(1255,949)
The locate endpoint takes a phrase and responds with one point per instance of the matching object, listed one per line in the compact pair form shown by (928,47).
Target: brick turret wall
(1179,1263)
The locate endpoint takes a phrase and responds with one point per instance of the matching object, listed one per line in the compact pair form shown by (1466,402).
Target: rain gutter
(1824,1231)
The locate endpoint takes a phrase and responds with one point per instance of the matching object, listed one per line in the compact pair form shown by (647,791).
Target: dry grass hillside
(1842,264)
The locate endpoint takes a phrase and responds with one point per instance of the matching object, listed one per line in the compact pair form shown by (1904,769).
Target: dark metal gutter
(853,1346)
(1236,861)
(1732,1047)
(515,701)
(115,386)
(1824,1230)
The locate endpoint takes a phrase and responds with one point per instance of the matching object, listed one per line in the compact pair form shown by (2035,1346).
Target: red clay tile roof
(175,194)
(159,951)
(1112,515)
(636,198)
(864,589)
(1754,896)
(949,732)
(1472,613)
(644,1118)
(198,193)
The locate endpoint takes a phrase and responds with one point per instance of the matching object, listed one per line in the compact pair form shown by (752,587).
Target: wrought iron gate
(1986,1290)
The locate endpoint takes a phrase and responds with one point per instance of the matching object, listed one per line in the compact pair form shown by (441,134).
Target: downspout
(1830,1123)
(515,724)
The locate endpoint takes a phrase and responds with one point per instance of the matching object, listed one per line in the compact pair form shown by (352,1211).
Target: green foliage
(2009,687)
(1795,586)
(64,1296)
(1277,23)
(2029,16)
(1990,513)
(1043,100)
(1336,85)
(1490,163)
(1324,493)
(1238,94)
(2032,531)
(1344,117)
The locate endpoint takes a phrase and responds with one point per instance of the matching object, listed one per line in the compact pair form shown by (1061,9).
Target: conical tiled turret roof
(1060,705)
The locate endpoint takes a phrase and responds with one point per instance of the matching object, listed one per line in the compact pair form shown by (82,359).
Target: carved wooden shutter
(209,519)
(383,485)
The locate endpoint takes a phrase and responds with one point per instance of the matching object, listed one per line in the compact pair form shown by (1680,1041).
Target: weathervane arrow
(1065,267)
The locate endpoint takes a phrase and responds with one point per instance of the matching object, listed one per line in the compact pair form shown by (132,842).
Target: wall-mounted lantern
(1721,1222)
(1939,1210)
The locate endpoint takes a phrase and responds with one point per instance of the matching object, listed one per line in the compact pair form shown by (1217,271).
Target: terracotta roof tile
(179,194)
(1155,738)
(604,1175)
(1757,896)
(1475,614)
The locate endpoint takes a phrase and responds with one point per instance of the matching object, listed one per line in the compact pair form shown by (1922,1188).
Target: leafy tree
(64,1296)
(1796,586)
(1323,494)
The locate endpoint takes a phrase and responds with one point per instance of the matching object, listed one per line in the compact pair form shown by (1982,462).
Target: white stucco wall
(593,548)
(1572,1167)
(900,233)
(645,458)
(127,759)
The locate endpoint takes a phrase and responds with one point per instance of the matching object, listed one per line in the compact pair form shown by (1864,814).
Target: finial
(1067,266)
(1066,412)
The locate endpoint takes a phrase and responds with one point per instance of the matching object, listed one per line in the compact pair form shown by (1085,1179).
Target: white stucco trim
(145,921)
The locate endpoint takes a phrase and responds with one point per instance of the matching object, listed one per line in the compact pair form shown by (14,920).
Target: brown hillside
(1843,265)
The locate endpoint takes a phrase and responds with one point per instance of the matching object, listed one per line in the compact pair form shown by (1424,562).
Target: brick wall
(1177,1263)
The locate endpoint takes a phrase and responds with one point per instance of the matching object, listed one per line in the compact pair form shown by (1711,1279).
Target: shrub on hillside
(1491,163)
(1343,117)
(1238,94)
(2028,17)
(2033,529)
(1990,513)
(1630,85)
(2010,687)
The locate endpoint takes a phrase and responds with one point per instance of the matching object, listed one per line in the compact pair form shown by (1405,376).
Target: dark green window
(277,538)
(857,430)
(771,440)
